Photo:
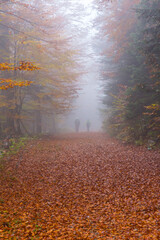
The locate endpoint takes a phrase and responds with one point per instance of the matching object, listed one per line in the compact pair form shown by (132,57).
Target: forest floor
(80,186)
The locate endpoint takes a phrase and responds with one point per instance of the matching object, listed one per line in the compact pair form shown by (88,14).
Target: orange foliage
(6,66)
(9,83)
(23,66)
(26,66)
(120,18)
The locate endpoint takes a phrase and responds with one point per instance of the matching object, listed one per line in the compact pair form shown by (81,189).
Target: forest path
(80,186)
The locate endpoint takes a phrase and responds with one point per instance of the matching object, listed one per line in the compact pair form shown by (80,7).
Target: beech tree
(40,43)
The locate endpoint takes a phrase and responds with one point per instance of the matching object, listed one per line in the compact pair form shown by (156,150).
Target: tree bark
(38,122)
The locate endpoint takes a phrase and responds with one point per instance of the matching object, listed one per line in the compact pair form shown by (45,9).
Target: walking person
(77,125)
(88,124)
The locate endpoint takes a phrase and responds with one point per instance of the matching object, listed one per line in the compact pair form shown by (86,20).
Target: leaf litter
(81,186)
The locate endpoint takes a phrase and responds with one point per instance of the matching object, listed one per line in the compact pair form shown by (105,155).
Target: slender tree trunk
(18,109)
(0,129)
(18,130)
(54,124)
(33,126)
(38,122)
(10,125)
(25,129)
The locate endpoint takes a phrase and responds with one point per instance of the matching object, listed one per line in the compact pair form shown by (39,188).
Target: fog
(87,105)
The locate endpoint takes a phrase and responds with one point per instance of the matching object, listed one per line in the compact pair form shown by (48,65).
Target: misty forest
(79,119)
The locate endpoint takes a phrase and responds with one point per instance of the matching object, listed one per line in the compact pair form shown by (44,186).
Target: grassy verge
(15,144)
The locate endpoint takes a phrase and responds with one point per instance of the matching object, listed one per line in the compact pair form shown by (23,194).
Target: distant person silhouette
(77,125)
(88,124)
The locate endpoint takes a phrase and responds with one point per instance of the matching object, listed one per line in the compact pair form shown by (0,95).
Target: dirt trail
(80,186)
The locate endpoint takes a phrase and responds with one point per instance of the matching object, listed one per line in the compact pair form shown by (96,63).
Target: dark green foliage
(134,101)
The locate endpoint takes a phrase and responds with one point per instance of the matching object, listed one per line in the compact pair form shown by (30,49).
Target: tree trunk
(54,124)
(10,127)
(18,130)
(38,122)
(0,129)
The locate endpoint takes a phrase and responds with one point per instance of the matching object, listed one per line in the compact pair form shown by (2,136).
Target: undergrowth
(15,144)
